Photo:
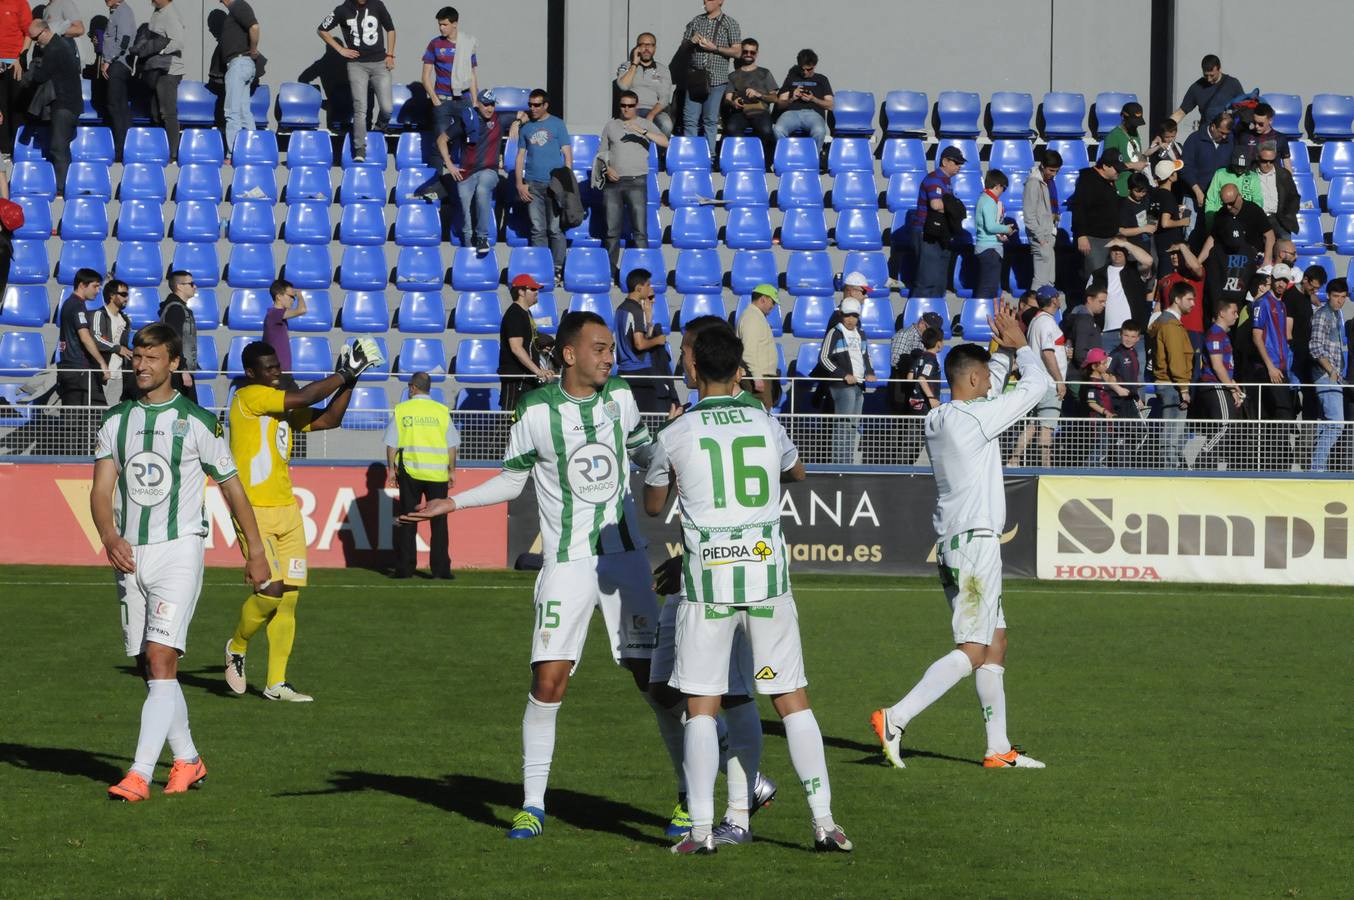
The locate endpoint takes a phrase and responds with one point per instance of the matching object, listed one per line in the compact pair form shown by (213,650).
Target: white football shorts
(665,655)
(159,598)
(970,572)
(707,634)
(620,584)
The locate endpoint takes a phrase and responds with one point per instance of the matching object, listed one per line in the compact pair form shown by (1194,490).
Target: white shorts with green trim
(707,634)
(741,669)
(970,572)
(620,584)
(159,598)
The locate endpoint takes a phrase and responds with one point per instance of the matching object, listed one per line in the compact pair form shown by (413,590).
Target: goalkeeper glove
(358,357)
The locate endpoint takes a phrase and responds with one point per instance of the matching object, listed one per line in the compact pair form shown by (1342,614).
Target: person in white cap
(1171,214)
(844,360)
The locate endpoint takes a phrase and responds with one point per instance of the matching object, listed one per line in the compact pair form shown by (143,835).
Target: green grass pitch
(1193,735)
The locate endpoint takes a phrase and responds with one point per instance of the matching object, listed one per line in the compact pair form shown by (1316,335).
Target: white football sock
(944,674)
(992,695)
(180,738)
(156,715)
(701,761)
(806,755)
(671,728)
(538,748)
(744,757)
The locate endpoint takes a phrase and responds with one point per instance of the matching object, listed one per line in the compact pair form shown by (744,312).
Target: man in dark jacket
(1278,193)
(1095,209)
(1206,151)
(60,66)
(177,314)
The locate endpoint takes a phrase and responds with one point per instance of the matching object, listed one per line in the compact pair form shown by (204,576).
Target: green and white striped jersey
(578,454)
(727,455)
(163,453)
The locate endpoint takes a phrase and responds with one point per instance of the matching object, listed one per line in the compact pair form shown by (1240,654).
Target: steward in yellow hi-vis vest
(421,447)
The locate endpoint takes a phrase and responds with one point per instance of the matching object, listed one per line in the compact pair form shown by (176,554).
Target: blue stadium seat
(1340,200)
(696,305)
(365,312)
(798,190)
(694,227)
(1009,114)
(651,259)
(795,154)
(199,181)
(307,222)
(89,179)
(1337,158)
(967,186)
(363,268)
(685,152)
(477,312)
(804,229)
(309,184)
(533,261)
(775,319)
(409,181)
(409,152)
(751,268)
(376,151)
(76,255)
(247,308)
(22,354)
(143,307)
(143,181)
(205,146)
(1014,156)
(850,154)
(903,155)
(1105,114)
(362,184)
(89,115)
(37,218)
(419,268)
(259,102)
(745,187)
(16,412)
(311,358)
(873,265)
(1287,113)
(251,266)
(968,147)
(876,320)
(918,306)
(1309,238)
(251,222)
(310,148)
(248,181)
(1331,117)
(854,189)
(422,312)
(700,271)
(957,114)
(1075,158)
(584,149)
(748,228)
(146,145)
(418,225)
(298,106)
(1307,192)
(368,409)
(689,187)
(905,113)
(742,154)
(544,313)
(420,354)
(810,315)
(472,272)
(476,361)
(92,144)
(853,113)
(516,225)
(319,314)
(30,144)
(477,399)
(205,306)
(808,272)
(233,367)
(1301,158)
(141,220)
(33,178)
(858,229)
(598,303)
(879,358)
(255,148)
(1063,114)
(199,259)
(654,193)
(511,100)
(587,269)
(362,225)
(973,318)
(30,264)
(25,306)
(407,111)
(197,106)
(196,221)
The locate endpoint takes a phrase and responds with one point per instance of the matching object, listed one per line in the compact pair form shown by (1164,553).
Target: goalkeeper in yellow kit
(262,420)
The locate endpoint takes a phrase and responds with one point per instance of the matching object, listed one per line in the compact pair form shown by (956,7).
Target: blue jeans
(847,402)
(802,121)
(239,78)
(376,77)
(630,193)
(989,274)
(477,190)
(1172,428)
(933,267)
(704,114)
(1332,398)
(545,230)
(447,119)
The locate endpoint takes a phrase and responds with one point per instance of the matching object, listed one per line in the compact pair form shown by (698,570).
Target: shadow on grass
(63,761)
(475,798)
(210,680)
(874,756)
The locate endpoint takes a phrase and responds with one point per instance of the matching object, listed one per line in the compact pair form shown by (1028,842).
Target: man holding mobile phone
(650,82)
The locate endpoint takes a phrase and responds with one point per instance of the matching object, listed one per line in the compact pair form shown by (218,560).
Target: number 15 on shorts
(547,614)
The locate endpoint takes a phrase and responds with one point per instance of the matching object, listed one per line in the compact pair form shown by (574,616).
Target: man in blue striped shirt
(932,258)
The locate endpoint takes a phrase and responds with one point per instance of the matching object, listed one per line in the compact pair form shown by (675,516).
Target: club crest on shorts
(545,638)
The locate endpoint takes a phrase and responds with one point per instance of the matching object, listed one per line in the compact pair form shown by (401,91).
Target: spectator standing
(759,346)
(543,146)
(1206,151)
(80,370)
(752,94)
(1127,276)
(1042,212)
(992,233)
(1124,138)
(1164,147)
(1273,371)
(115,66)
(450,73)
(1136,224)
(517,345)
(238,49)
(907,340)
(1125,370)
(1242,238)
(421,444)
(177,314)
(369,47)
(1047,340)
(1095,402)
(112,332)
(1218,399)
(15,17)
(1262,132)
(651,83)
(1165,207)
(1330,360)
(921,391)
(1174,368)
(1095,209)
(642,346)
(164,100)
(1301,301)
(288,303)
(1080,326)
(479,147)
(1185,267)
(1278,193)
(716,38)
(625,147)
(1211,94)
(844,360)
(807,97)
(931,252)
(60,65)
(1237,173)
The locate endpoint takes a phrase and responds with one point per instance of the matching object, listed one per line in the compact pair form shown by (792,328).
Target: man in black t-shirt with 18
(367,27)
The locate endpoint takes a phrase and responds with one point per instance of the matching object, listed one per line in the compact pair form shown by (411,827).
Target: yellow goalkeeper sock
(281,634)
(257,609)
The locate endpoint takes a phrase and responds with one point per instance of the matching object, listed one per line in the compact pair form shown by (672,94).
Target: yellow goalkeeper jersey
(260,440)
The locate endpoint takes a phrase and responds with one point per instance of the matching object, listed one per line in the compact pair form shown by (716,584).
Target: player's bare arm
(656,498)
(794,473)
(115,546)
(256,567)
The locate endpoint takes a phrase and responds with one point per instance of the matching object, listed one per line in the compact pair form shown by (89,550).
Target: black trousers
(738,122)
(11,107)
(59,149)
(412,490)
(1215,416)
(119,104)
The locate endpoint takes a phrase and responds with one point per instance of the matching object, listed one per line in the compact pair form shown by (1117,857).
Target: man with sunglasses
(479,140)
(625,147)
(112,332)
(1278,192)
(751,96)
(177,314)
(651,82)
(543,146)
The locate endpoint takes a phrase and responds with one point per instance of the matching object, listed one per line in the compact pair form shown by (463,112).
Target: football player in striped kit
(151,462)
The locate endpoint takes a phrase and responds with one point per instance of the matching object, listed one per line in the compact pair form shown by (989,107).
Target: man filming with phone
(649,81)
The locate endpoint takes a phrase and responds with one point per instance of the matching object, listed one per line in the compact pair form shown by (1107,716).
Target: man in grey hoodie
(1041,216)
